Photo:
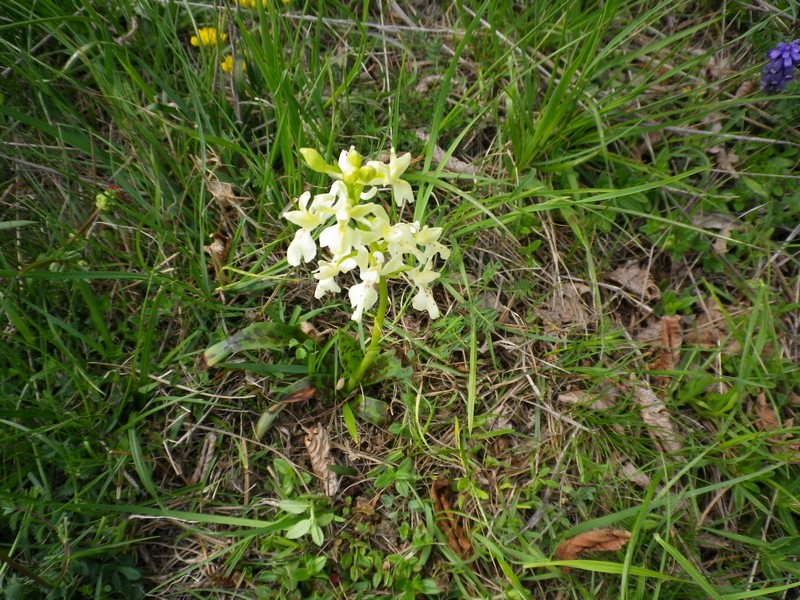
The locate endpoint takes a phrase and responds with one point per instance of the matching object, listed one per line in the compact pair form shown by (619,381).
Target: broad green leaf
(317,535)
(350,354)
(299,529)
(295,507)
(371,410)
(14,224)
(258,336)
(266,420)
(350,421)
(386,366)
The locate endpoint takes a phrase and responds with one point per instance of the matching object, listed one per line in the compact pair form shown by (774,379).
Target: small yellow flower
(227,64)
(253,3)
(208,36)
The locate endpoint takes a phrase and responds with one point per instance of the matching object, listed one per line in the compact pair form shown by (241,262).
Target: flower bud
(367,174)
(104,201)
(354,158)
(316,163)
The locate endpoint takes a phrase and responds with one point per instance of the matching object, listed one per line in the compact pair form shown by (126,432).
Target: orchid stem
(372,350)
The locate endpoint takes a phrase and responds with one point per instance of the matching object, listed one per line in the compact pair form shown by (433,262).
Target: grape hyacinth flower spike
(779,70)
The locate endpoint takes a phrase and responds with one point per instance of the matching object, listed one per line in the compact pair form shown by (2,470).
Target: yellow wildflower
(227,64)
(253,3)
(208,36)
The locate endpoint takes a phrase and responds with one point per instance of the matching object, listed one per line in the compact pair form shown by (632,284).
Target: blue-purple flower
(780,68)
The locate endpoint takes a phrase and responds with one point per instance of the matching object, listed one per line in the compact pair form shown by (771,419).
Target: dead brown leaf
(721,223)
(792,448)
(768,420)
(717,67)
(219,248)
(427,82)
(318,445)
(594,400)
(457,537)
(453,164)
(307,392)
(312,332)
(725,159)
(566,306)
(669,353)
(634,475)
(606,540)
(636,280)
(711,330)
(767,417)
(671,334)
(218,251)
(656,417)
(205,461)
(671,342)
(222,192)
(746,88)
(648,334)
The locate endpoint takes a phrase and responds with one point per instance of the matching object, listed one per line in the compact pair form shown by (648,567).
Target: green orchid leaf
(258,336)
(350,421)
(14,224)
(371,410)
(350,353)
(267,420)
(386,366)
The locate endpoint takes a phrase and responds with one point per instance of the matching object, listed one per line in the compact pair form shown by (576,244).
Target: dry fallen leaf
(319,451)
(636,280)
(301,394)
(746,88)
(725,159)
(634,475)
(453,164)
(567,307)
(427,82)
(218,251)
(671,339)
(204,462)
(592,541)
(594,400)
(768,420)
(312,332)
(721,223)
(222,192)
(710,328)
(656,417)
(457,538)
(670,352)
(718,66)
(648,334)
(767,417)
(219,248)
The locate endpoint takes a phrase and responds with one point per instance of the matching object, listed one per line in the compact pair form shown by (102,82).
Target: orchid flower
(358,235)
